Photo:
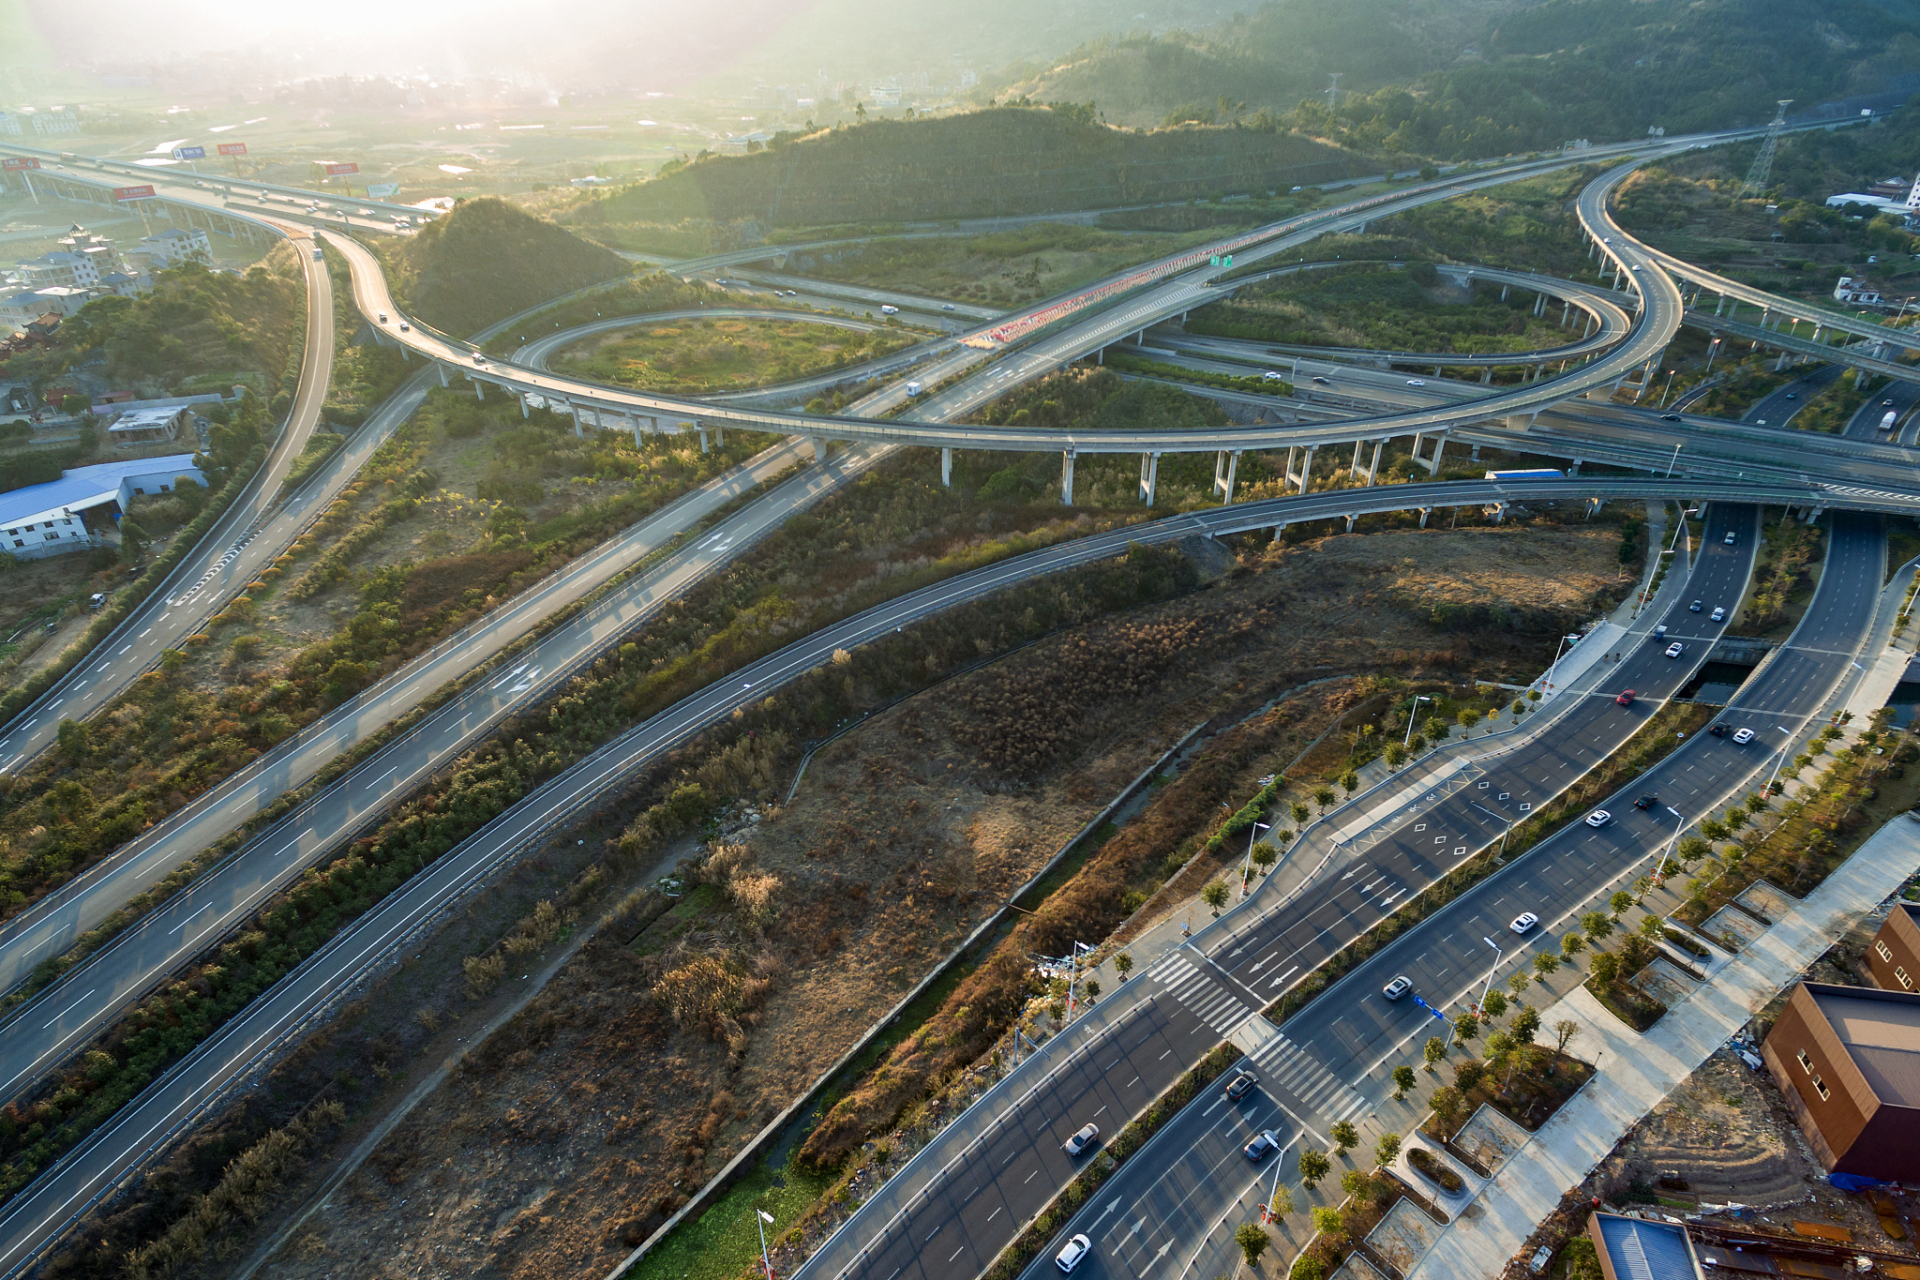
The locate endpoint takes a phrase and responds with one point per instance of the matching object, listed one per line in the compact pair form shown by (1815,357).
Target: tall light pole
(761,1219)
(1713,349)
(1681,526)
(1498,955)
(1679,825)
(1674,460)
(1411,715)
(1555,666)
(1246,869)
(1668,389)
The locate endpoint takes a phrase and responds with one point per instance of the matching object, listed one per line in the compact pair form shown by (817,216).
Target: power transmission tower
(1763,163)
(1333,91)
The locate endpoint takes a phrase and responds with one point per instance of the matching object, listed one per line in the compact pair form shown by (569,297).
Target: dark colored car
(1646,802)
(1238,1087)
(1718,731)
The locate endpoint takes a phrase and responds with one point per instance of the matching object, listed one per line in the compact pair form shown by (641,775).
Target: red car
(1626,698)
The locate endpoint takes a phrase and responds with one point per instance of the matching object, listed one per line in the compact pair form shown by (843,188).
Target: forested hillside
(487,260)
(1003,161)
(1484,78)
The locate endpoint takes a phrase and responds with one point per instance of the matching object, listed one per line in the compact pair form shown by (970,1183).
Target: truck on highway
(889,310)
(1543,473)
(1887,419)
(913,388)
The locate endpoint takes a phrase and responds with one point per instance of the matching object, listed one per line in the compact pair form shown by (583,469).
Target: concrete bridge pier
(1593,505)
(1066,478)
(1521,421)
(1813,514)
(1149,476)
(819,448)
(1373,465)
(1586,330)
(946,466)
(1439,448)
(479,389)
(1474,453)
(1305,475)
(525,410)
(1424,513)
(1226,469)
(633,422)
(574,410)
(701,427)
(443,374)
(1503,292)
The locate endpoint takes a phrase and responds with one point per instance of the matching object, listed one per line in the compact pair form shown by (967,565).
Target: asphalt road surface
(1778,407)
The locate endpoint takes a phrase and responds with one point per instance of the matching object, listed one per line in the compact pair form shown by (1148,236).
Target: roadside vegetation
(1396,308)
(637,294)
(485,261)
(196,331)
(694,356)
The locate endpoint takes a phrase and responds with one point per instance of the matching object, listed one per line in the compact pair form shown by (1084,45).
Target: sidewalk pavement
(1637,1071)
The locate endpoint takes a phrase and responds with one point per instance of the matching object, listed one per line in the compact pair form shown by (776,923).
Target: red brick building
(1848,1061)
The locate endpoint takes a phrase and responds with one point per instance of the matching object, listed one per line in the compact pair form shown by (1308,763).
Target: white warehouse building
(69,514)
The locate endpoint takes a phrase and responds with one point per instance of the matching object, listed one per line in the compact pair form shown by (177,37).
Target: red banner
(233,148)
(19,162)
(133,193)
(336,170)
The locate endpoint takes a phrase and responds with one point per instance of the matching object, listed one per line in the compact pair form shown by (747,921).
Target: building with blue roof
(74,512)
(1635,1249)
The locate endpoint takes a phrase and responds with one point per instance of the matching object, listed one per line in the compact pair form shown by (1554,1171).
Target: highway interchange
(143,1123)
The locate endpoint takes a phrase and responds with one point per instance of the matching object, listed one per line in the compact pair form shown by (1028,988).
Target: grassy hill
(487,260)
(1002,161)
(1492,76)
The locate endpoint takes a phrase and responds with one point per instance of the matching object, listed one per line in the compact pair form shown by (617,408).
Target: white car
(1416,382)
(1743,736)
(1729,539)
(1271,376)
(1524,921)
(1675,649)
(479,358)
(1082,1139)
(1720,614)
(889,310)
(1072,1252)
(1397,988)
(1541,1257)
(1599,818)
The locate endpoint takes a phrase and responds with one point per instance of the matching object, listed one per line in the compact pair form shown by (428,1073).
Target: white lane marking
(69,1009)
(190,919)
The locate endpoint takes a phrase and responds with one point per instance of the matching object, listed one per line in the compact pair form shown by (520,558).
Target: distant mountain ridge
(1491,76)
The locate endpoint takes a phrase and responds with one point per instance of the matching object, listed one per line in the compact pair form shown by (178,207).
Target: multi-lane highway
(1328,1061)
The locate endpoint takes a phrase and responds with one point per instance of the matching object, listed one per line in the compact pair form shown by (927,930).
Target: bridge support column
(1100,356)
(1353,468)
(443,374)
(1424,513)
(1486,375)
(1474,453)
(1814,513)
(634,422)
(1574,470)
(479,392)
(1503,293)
(1593,505)
(525,410)
(1350,520)
(946,467)
(1373,466)
(1149,476)
(574,409)
(1226,469)
(1522,421)
(701,427)
(1066,478)
(819,448)
(1586,330)
(1305,475)
(1499,512)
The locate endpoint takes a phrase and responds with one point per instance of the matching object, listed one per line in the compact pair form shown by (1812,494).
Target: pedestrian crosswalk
(1284,1064)
(1295,1071)
(1199,991)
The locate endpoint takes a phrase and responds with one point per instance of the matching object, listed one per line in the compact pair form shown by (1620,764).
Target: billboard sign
(338,170)
(189,153)
(233,148)
(124,194)
(19,162)
(381,190)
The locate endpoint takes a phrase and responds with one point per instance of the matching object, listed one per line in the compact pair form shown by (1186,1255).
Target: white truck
(1887,419)
(888,309)
(913,389)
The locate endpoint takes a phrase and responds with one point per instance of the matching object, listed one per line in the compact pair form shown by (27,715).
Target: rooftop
(1881,1030)
(84,486)
(1639,1250)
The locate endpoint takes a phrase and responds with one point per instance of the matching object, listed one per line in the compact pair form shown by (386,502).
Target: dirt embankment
(572,1134)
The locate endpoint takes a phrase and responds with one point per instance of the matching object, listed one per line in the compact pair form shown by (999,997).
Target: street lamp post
(760,1219)
(1246,869)
(1679,825)
(1498,955)
(1675,459)
(1713,349)
(1668,389)
(1411,713)
(1680,526)
(1555,665)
